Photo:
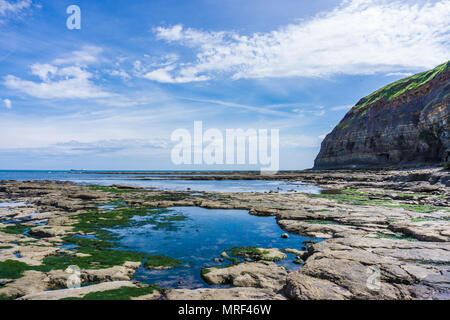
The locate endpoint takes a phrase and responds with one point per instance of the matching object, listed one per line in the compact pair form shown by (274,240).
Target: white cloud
(340,108)
(255,109)
(358,37)
(58,83)
(64,78)
(7,7)
(43,71)
(8,103)
(87,55)
(162,70)
(99,147)
(114,145)
(120,73)
(163,75)
(399,74)
(189,36)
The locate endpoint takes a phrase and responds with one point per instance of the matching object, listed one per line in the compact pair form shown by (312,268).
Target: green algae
(322,222)
(4,297)
(158,261)
(250,253)
(99,252)
(95,221)
(12,269)
(397,236)
(205,271)
(428,219)
(15,229)
(113,189)
(122,293)
(166,196)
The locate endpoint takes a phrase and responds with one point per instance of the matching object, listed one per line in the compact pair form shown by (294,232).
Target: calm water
(197,236)
(193,235)
(104,179)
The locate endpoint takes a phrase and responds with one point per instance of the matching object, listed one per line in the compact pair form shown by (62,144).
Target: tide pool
(196,236)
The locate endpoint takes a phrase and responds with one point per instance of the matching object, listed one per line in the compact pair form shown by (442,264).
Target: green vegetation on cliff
(401,86)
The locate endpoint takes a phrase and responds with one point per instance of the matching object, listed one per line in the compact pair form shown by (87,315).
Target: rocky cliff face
(406,122)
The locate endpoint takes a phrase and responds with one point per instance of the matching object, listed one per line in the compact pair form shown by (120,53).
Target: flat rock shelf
(368,235)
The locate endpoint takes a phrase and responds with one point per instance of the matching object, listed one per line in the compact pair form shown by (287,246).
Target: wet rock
(427,230)
(272,254)
(48,231)
(30,254)
(346,268)
(223,294)
(337,268)
(262,274)
(295,251)
(77,292)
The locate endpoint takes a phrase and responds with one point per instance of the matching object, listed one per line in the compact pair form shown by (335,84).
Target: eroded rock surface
(403,123)
(223,294)
(386,234)
(264,274)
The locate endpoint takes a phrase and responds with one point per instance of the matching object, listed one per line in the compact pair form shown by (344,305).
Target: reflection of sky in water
(197,240)
(11,204)
(176,185)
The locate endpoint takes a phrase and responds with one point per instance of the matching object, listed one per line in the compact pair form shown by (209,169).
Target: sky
(109,95)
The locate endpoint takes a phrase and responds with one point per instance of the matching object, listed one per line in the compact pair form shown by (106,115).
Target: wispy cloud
(63,78)
(357,38)
(260,110)
(8,7)
(87,55)
(163,75)
(8,103)
(100,147)
(399,74)
(63,83)
(340,108)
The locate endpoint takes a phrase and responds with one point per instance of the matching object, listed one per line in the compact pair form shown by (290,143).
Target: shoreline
(397,222)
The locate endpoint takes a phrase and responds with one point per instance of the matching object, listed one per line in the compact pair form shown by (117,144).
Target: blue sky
(108,96)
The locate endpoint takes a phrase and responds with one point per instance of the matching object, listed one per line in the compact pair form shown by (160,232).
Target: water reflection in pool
(197,236)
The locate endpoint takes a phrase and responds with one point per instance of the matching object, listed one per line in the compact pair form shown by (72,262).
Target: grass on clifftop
(401,86)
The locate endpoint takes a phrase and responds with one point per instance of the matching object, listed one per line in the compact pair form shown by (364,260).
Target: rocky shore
(387,236)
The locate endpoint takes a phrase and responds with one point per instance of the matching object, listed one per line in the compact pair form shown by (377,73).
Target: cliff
(404,123)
